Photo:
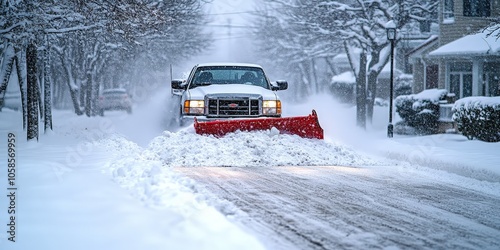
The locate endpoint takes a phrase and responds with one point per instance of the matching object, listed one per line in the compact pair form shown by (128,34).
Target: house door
(461,79)
(431,76)
(461,84)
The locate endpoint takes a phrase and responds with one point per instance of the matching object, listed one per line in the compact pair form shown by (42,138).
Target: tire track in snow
(352,208)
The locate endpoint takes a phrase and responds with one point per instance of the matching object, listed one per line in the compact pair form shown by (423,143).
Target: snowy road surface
(297,193)
(356,208)
(125,182)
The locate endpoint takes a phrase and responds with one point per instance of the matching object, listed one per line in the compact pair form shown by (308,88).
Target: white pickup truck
(224,91)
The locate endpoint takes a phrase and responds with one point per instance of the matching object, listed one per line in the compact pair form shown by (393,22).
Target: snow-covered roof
(479,44)
(431,41)
(346,77)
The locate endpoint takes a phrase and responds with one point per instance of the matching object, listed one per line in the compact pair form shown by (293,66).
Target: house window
(477,8)
(461,79)
(448,11)
(491,79)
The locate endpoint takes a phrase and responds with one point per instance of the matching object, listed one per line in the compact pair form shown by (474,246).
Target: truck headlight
(195,107)
(271,107)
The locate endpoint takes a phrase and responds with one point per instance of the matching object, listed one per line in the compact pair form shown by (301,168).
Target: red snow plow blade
(303,126)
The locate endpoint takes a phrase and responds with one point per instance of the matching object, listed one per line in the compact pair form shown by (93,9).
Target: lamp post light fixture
(391,36)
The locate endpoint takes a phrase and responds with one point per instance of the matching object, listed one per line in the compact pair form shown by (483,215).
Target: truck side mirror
(282,85)
(178,84)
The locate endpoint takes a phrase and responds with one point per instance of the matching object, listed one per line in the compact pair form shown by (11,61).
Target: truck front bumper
(188,119)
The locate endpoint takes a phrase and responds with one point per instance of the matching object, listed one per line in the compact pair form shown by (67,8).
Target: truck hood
(199,93)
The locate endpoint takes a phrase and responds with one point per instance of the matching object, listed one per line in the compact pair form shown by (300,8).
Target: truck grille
(233,107)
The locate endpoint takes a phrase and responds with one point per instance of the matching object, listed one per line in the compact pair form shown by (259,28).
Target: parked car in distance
(11,98)
(115,99)
(11,101)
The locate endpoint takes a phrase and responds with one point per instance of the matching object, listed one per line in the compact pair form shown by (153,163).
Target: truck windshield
(229,75)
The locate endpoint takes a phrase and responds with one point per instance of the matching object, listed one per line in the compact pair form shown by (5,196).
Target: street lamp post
(391,36)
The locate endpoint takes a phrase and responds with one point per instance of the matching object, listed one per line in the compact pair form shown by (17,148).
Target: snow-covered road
(125,182)
(333,197)
(356,208)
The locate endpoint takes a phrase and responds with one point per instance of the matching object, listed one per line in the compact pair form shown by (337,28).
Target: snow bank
(251,149)
(142,172)
(146,177)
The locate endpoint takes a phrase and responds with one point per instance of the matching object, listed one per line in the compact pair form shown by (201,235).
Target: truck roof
(229,64)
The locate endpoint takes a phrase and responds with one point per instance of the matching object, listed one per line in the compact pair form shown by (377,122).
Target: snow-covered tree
(365,29)
(32,92)
(22,23)
(287,41)
(128,37)
(85,41)
(494,29)
(356,26)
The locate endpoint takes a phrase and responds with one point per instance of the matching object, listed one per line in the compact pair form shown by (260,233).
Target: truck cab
(227,91)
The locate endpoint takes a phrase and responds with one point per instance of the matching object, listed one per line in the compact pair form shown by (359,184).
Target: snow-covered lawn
(106,182)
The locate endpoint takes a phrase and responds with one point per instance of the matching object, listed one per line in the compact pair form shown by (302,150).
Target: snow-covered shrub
(343,86)
(403,84)
(478,117)
(420,111)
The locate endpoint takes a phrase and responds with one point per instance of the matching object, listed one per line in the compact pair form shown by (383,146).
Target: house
(463,59)
(425,69)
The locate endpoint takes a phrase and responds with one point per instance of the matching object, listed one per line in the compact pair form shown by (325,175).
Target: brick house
(461,59)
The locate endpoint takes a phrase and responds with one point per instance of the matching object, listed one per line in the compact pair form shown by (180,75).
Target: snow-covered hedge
(420,111)
(478,117)
(343,86)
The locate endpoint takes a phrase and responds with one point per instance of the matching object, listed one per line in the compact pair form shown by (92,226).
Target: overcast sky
(231,44)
